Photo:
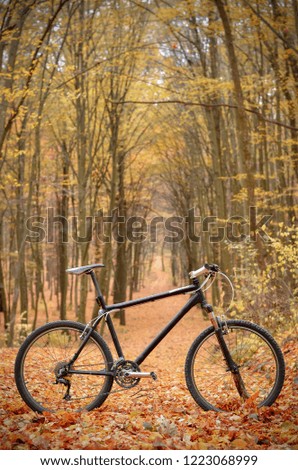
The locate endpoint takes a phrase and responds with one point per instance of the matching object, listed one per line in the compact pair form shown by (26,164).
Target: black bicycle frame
(196,298)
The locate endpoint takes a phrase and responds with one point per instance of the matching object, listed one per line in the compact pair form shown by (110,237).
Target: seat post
(99,297)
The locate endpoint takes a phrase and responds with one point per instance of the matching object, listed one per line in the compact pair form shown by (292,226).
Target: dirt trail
(143,322)
(153,415)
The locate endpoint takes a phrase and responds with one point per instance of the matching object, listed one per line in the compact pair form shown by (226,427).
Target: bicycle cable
(232,288)
(206,280)
(213,276)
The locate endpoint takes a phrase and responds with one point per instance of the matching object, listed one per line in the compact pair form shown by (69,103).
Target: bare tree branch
(33,64)
(280,36)
(209,105)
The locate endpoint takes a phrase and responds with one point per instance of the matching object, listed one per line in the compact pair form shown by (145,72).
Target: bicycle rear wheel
(45,351)
(254,351)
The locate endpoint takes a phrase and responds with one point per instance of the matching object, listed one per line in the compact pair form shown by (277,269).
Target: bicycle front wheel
(253,350)
(46,351)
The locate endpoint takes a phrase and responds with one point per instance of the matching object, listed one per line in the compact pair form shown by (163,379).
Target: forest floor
(154,415)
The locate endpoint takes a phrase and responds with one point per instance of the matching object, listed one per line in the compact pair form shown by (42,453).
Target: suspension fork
(232,366)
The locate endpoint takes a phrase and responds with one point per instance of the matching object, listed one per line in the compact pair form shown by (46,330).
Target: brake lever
(214,268)
(210,274)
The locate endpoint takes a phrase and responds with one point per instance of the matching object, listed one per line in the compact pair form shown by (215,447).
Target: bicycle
(66,365)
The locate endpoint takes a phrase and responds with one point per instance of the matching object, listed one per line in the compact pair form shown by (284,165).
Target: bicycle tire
(50,345)
(260,360)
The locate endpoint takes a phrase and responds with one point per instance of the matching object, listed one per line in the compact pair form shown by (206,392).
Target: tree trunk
(82,155)
(63,237)
(120,278)
(3,302)
(241,118)
(20,224)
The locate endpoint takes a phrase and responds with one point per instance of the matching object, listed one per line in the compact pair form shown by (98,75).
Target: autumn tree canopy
(134,128)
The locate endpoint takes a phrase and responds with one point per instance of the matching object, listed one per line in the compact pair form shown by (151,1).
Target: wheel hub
(61,369)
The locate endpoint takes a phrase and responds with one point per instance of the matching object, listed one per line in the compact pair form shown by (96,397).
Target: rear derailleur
(61,371)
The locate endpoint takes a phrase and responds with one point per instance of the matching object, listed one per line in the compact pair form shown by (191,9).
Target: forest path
(156,414)
(143,323)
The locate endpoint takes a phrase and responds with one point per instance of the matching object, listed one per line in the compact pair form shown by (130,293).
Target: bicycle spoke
(259,363)
(49,353)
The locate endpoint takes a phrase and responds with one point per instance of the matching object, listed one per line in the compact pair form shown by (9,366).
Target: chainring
(121,377)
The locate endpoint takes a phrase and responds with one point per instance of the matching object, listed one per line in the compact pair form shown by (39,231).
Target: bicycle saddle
(83,269)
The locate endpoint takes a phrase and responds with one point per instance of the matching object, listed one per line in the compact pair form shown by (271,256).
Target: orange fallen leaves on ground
(161,416)
(153,415)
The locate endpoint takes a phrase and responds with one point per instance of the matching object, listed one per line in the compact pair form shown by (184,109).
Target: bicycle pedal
(140,375)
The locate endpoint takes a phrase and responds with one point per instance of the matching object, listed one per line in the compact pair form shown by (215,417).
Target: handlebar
(206,269)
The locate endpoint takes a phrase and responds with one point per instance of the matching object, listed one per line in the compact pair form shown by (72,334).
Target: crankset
(127,374)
